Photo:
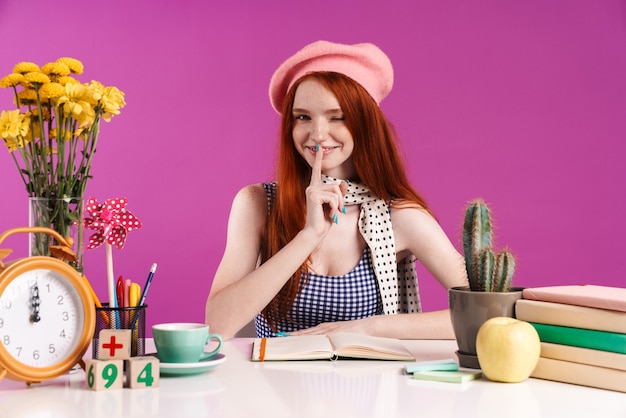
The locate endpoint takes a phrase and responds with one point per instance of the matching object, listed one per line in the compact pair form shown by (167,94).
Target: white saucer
(185,369)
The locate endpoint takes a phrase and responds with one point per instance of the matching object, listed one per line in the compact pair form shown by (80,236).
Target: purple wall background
(520,102)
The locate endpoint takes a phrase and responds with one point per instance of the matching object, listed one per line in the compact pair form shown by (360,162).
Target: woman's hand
(359,326)
(324,202)
(415,326)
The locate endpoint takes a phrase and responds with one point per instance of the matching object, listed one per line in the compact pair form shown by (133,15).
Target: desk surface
(347,388)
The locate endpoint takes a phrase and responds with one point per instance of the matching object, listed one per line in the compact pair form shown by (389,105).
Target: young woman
(331,245)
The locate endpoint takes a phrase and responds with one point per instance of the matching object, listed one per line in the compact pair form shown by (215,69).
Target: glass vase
(64,216)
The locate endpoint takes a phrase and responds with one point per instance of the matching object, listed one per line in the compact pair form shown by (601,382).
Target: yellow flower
(35,132)
(36,78)
(94,92)
(87,116)
(64,80)
(56,69)
(25,67)
(75,104)
(72,100)
(74,65)
(13,124)
(13,144)
(52,90)
(27,97)
(34,114)
(11,80)
(35,125)
(55,125)
(112,101)
(52,134)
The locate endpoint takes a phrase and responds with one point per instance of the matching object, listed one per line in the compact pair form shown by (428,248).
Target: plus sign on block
(114,344)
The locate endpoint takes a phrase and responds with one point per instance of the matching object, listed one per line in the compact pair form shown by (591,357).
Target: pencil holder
(122,318)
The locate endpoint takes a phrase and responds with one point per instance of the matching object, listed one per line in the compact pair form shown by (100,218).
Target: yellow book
(329,347)
(580,374)
(584,355)
(570,315)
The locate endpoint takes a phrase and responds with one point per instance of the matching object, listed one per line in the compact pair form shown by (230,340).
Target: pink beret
(364,63)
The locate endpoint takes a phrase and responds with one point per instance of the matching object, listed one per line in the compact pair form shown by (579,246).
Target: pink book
(593,296)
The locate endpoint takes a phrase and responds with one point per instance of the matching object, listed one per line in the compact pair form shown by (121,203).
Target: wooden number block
(104,374)
(142,372)
(114,344)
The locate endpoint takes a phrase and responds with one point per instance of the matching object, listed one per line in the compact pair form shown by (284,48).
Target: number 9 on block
(104,374)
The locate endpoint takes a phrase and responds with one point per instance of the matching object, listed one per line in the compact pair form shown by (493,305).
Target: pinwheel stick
(112,223)
(110,276)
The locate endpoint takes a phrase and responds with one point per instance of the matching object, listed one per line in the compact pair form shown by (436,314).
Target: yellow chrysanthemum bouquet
(53,132)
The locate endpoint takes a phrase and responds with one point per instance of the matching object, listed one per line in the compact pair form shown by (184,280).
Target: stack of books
(582,329)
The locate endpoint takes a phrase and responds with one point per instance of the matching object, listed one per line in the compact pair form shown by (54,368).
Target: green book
(580,337)
(460,376)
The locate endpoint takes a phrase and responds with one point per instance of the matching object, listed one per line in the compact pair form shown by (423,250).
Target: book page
(304,347)
(348,344)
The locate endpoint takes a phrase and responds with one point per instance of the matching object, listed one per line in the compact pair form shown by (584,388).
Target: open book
(329,347)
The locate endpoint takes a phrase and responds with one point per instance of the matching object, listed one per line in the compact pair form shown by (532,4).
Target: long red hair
(377,163)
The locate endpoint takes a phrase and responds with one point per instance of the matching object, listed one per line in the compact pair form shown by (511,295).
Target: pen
(119,289)
(127,283)
(144,293)
(134,294)
(133,299)
(126,302)
(119,301)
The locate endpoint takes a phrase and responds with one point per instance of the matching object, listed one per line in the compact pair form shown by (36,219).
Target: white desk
(347,388)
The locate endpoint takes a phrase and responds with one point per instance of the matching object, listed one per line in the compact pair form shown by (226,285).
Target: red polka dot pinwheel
(112,221)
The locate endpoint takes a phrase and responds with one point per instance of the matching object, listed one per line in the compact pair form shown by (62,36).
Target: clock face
(41,318)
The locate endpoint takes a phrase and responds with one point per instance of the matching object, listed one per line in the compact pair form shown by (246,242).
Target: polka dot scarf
(397,281)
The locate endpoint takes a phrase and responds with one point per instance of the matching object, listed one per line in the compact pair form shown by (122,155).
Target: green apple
(508,349)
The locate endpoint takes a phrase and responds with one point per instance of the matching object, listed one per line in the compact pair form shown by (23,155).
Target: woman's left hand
(359,326)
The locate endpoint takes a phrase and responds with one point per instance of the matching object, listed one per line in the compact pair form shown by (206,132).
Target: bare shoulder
(251,197)
(411,217)
(414,227)
(248,211)
(252,191)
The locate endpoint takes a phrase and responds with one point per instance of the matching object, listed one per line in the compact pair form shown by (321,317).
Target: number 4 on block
(104,374)
(142,372)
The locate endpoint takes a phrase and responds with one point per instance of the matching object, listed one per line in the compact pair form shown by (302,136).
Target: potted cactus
(489,293)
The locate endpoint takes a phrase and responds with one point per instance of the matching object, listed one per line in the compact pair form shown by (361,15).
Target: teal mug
(184,342)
